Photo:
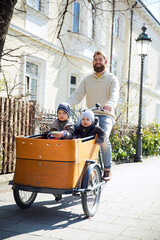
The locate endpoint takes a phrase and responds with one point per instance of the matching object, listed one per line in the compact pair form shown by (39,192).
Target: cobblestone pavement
(129,210)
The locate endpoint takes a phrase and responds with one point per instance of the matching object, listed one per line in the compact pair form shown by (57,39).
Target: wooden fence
(17,117)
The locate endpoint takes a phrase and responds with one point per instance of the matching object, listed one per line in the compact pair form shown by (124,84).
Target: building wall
(150,94)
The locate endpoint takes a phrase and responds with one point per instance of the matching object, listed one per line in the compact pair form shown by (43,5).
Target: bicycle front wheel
(90,199)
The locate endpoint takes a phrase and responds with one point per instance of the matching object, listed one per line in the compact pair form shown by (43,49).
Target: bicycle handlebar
(96,107)
(75,117)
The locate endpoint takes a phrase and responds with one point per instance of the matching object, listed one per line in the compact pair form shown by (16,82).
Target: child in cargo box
(63,127)
(87,128)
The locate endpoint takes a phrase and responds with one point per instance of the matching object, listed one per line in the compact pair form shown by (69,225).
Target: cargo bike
(57,167)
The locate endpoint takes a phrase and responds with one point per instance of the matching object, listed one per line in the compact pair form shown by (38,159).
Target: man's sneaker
(107,175)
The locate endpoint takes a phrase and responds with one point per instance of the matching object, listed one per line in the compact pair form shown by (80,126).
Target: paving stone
(129,209)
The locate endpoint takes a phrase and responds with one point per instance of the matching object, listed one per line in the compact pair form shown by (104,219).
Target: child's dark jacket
(66,126)
(82,132)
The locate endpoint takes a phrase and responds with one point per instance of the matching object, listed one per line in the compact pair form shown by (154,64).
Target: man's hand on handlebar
(107,107)
(98,107)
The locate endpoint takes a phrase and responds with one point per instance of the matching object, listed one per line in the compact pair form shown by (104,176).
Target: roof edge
(149,12)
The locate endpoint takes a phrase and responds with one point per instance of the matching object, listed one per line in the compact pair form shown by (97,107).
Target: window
(31,80)
(116,26)
(145,71)
(114,67)
(158,76)
(158,113)
(144,110)
(92,21)
(119,27)
(36,4)
(76,7)
(73,83)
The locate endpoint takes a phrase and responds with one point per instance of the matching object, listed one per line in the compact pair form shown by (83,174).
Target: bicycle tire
(24,199)
(90,199)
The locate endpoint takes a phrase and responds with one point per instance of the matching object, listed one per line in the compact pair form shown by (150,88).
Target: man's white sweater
(103,90)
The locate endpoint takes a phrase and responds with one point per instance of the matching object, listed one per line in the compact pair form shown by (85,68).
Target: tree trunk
(6,12)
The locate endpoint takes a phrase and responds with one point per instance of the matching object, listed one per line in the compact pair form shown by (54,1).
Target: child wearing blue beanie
(88,128)
(63,127)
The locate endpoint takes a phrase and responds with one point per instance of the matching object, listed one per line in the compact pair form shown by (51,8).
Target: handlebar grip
(98,105)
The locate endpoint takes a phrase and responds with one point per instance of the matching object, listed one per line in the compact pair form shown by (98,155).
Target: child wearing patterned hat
(62,126)
(88,128)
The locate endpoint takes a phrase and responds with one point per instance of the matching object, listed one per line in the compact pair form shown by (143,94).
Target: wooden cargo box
(52,163)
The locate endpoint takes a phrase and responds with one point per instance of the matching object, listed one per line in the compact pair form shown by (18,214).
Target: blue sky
(154,7)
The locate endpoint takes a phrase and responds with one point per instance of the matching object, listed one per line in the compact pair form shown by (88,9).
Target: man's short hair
(99,53)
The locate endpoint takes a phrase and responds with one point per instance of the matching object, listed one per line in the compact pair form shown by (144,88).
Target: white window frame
(36,4)
(114,68)
(92,21)
(158,113)
(30,78)
(144,110)
(158,76)
(83,103)
(42,7)
(116,26)
(145,78)
(72,86)
(42,75)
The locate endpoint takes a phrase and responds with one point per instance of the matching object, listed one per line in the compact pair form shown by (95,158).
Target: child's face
(62,116)
(86,122)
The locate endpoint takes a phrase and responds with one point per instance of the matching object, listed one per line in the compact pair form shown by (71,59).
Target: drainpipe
(111,52)
(129,63)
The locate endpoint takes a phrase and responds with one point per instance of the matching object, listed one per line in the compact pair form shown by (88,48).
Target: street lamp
(143,42)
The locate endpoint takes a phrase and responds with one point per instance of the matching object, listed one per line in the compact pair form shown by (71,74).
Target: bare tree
(7,8)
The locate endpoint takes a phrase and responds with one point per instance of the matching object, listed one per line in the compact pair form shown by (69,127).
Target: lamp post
(143,42)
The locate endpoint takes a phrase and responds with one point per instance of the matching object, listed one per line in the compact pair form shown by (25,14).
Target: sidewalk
(4,180)
(129,210)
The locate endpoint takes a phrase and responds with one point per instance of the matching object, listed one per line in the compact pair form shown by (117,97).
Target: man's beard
(99,68)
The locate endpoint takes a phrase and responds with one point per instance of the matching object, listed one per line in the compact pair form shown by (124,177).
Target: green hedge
(124,139)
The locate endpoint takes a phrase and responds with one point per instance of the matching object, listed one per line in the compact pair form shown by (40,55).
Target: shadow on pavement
(42,216)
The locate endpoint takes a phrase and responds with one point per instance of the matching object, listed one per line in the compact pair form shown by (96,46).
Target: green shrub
(151,140)
(124,140)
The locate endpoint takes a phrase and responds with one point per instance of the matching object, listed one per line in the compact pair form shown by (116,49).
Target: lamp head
(143,41)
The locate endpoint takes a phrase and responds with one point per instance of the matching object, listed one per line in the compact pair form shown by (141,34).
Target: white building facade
(53,43)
